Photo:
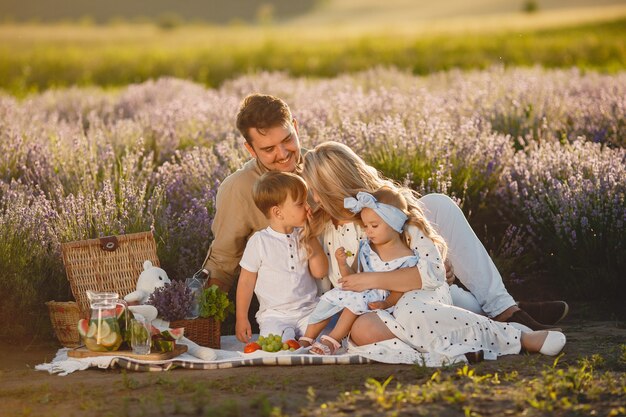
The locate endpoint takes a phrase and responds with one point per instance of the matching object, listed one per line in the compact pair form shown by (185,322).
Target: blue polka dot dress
(337,299)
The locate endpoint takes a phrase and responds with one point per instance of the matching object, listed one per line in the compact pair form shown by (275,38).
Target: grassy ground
(35,58)
(589,379)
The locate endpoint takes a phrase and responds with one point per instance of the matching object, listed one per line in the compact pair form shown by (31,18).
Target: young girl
(384,215)
(424,327)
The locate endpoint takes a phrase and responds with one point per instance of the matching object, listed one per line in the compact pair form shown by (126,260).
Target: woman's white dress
(429,330)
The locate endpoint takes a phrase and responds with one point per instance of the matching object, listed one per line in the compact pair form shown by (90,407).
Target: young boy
(280,262)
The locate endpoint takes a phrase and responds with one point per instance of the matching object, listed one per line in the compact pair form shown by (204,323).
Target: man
(271,134)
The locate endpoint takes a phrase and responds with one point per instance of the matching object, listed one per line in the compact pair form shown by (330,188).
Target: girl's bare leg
(341,330)
(312,331)
(369,328)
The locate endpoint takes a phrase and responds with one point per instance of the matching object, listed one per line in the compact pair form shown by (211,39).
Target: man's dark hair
(262,112)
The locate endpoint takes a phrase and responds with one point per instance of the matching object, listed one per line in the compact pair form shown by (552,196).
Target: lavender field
(536,158)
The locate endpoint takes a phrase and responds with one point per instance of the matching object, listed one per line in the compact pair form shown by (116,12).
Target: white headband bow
(393,216)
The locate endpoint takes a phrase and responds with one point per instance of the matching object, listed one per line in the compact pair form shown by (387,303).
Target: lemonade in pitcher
(103,333)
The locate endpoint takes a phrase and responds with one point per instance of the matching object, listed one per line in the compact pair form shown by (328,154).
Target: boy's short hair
(273,187)
(262,112)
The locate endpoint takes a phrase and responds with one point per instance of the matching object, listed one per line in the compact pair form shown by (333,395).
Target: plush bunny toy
(151,278)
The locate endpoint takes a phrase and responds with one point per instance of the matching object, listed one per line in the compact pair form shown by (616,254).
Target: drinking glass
(140,335)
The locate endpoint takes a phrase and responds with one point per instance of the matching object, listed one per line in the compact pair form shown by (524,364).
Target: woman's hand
(357,282)
(450,277)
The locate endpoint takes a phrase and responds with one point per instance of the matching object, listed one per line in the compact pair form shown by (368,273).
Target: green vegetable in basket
(214,303)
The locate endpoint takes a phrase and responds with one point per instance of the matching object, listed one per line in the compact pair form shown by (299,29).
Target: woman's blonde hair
(333,172)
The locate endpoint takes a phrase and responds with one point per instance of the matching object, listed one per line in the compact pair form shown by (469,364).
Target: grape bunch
(272,343)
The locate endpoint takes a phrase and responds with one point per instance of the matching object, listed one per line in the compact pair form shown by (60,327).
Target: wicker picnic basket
(111,263)
(64,316)
(114,263)
(203,331)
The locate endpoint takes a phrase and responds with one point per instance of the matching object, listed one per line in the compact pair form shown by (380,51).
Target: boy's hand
(243,330)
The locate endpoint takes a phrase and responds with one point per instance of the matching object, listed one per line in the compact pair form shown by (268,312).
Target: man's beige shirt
(236,219)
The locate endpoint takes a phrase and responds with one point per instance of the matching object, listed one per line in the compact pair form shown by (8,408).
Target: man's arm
(236,218)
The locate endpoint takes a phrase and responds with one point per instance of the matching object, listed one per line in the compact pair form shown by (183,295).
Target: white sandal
(307,340)
(323,349)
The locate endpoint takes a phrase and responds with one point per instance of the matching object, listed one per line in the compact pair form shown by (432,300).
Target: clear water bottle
(196,284)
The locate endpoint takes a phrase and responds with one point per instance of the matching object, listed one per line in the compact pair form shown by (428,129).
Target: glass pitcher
(104,333)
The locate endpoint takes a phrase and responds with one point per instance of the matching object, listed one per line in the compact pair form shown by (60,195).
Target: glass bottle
(196,284)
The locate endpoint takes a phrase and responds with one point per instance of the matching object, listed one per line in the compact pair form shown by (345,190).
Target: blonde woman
(424,321)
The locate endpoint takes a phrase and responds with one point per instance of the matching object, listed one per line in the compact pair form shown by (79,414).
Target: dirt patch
(317,390)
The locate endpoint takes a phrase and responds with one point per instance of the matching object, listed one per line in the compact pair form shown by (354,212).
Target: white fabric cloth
(284,286)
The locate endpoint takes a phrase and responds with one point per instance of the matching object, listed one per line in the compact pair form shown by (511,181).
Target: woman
(424,322)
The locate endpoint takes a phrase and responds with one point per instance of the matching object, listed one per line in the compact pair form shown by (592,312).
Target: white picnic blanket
(229,356)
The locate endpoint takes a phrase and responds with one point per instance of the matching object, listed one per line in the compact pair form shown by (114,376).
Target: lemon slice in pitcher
(110,340)
(105,330)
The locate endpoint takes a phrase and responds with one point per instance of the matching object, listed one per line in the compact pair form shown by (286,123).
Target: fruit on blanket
(154,331)
(83,327)
(163,345)
(272,343)
(349,254)
(173,334)
(293,344)
(251,347)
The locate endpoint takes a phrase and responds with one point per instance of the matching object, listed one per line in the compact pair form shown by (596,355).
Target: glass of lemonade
(140,339)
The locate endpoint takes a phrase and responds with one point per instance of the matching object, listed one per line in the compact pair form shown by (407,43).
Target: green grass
(40,58)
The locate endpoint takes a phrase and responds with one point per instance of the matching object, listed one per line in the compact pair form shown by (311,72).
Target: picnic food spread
(271,343)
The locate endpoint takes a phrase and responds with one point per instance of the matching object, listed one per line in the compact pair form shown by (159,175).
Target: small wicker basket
(203,331)
(64,316)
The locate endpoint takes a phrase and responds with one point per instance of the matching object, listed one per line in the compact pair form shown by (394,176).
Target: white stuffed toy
(150,279)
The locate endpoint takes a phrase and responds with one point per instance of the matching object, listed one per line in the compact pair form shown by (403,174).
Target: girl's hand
(341,255)
(357,282)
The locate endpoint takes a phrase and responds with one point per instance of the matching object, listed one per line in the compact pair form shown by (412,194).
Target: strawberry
(293,344)
(251,347)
